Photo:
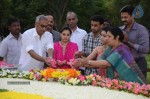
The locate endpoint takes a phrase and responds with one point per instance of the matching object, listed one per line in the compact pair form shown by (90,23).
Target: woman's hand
(50,62)
(81,62)
(64,62)
(79,54)
(78,62)
(84,61)
(60,63)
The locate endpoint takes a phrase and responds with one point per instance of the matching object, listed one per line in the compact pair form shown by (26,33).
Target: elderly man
(56,35)
(35,43)
(10,47)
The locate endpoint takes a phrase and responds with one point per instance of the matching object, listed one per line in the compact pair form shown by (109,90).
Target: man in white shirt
(35,43)
(77,33)
(10,47)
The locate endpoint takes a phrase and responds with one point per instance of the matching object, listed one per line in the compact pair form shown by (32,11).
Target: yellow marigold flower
(41,71)
(78,73)
(66,74)
(31,76)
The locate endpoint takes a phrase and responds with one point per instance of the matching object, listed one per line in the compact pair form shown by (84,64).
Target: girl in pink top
(64,50)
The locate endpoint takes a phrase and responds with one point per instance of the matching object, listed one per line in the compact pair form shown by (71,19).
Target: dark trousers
(141,62)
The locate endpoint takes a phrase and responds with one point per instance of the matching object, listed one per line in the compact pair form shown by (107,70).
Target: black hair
(115,31)
(108,21)
(106,29)
(12,19)
(128,8)
(97,18)
(66,28)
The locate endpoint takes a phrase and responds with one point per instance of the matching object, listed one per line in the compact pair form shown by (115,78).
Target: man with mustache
(56,35)
(136,36)
(10,47)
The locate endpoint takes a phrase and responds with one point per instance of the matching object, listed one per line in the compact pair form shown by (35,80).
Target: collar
(133,27)
(10,36)
(35,33)
(77,30)
(99,35)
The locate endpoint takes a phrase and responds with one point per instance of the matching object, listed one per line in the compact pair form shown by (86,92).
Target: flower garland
(96,80)
(73,77)
(60,73)
(40,75)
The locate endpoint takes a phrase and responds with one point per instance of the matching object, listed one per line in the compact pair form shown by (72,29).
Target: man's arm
(50,45)
(36,56)
(3,49)
(50,52)
(143,42)
(27,44)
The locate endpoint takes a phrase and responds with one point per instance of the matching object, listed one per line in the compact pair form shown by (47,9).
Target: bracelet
(50,57)
(89,62)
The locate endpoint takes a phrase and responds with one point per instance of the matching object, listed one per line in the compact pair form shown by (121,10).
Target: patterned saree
(123,64)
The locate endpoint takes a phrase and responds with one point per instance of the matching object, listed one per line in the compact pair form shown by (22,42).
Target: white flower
(25,72)
(38,73)
(14,75)
(1,73)
(66,83)
(20,75)
(71,80)
(85,82)
(3,70)
(9,76)
(8,71)
(4,73)
(74,81)
(14,72)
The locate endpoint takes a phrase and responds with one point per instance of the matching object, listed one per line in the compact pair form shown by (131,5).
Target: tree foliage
(27,10)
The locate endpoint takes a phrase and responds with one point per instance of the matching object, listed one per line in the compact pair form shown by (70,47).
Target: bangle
(89,62)
(50,57)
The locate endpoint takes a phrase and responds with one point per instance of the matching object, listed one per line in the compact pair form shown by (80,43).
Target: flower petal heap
(59,73)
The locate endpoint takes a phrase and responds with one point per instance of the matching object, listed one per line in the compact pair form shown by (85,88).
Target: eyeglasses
(43,26)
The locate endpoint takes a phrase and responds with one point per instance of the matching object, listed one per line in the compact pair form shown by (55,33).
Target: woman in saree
(64,50)
(117,58)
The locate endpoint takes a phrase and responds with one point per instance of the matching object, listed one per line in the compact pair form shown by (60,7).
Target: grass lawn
(148,63)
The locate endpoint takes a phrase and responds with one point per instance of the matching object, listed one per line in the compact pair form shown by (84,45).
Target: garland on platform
(73,77)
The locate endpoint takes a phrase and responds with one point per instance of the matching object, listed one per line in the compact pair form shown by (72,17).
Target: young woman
(117,58)
(97,52)
(64,50)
